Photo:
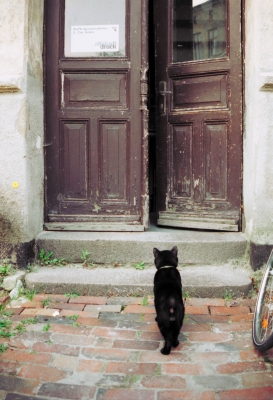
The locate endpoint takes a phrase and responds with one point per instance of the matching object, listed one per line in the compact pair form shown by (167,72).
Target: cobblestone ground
(112,352)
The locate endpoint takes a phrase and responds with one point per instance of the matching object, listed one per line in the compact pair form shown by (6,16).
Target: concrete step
(194,247)
(206,281)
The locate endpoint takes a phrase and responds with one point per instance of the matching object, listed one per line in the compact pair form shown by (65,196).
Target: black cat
(168,297)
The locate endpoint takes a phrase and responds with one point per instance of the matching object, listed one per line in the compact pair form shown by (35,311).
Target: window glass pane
(199,30)
(94,28)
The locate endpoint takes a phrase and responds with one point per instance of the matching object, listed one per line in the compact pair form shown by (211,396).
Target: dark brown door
(95,114)
(199,115)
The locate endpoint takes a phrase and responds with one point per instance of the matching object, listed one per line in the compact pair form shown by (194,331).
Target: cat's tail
(172,307)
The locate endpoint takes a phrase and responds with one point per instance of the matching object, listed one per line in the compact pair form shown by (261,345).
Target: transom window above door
(95,28)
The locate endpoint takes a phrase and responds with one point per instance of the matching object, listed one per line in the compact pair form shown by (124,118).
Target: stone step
(206,281)
(194,247)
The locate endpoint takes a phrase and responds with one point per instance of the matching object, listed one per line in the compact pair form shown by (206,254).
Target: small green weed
(28,293)
(140,265)
(22,326)
(228,295)
(3,347)
(5,328)
(46,327)
(4,269)
(86,259)
(47,302)
(186,295)
(47,259)
(144,301)
(32,268)
(73,294)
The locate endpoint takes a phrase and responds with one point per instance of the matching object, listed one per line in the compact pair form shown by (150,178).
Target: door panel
(199,92)
(95,114)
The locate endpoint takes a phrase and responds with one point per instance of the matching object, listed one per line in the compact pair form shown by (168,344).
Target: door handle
(162,99)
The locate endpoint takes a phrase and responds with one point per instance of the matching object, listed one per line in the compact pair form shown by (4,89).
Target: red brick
(33,312)
(67,306)
(106,354)
(32,304)
(102,308)
(233,327)
(15,311)
(73,340)
(257,379)
(229,310)
(64,362)
(205,302)
(41,373)
(83,314)
(114,333)
(56,348)
(51,297)
(246,302)
(46,312)
(29,312)
(249,355)
(136,344)
(9,368)
(70,330)
(26,357)
(208,319)
(208,337)
(125,394)
(66,391)
(90,365)
(182,369)
(239,367)
(241,317)
(131,368)
(196,310)
(149,317)
(215,357)
(88,300)
(125,301)
(107,323)
(163,382)
(178,395)
(263,393)
(137,309)
(104,342)
(14,384)
(157,357)
(195,327)
(146,335)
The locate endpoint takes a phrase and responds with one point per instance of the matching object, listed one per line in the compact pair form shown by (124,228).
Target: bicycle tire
(262,328)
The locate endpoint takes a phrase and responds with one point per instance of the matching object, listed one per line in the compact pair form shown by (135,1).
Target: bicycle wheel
(262,329)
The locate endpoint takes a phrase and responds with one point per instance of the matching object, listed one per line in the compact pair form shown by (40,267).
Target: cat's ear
(174,250)
(156,252)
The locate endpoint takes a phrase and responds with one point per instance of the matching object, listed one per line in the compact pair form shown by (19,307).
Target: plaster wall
(21,120)
(258,122)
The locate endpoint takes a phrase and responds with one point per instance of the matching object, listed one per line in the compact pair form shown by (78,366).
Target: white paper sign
(94,38)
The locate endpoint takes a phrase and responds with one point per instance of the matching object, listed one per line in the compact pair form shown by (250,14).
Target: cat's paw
(165,351)
(175,343)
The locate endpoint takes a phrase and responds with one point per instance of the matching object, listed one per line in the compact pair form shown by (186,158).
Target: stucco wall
(21,120)
(258,132)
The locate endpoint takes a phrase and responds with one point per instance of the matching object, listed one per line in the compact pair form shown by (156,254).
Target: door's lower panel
(211,222)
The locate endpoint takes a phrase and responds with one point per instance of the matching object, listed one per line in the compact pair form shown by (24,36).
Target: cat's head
(166,257)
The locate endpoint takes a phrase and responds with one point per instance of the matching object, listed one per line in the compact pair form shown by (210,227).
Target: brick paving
(112,351)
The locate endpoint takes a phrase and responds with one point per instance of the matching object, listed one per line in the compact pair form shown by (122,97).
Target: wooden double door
(96,68)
